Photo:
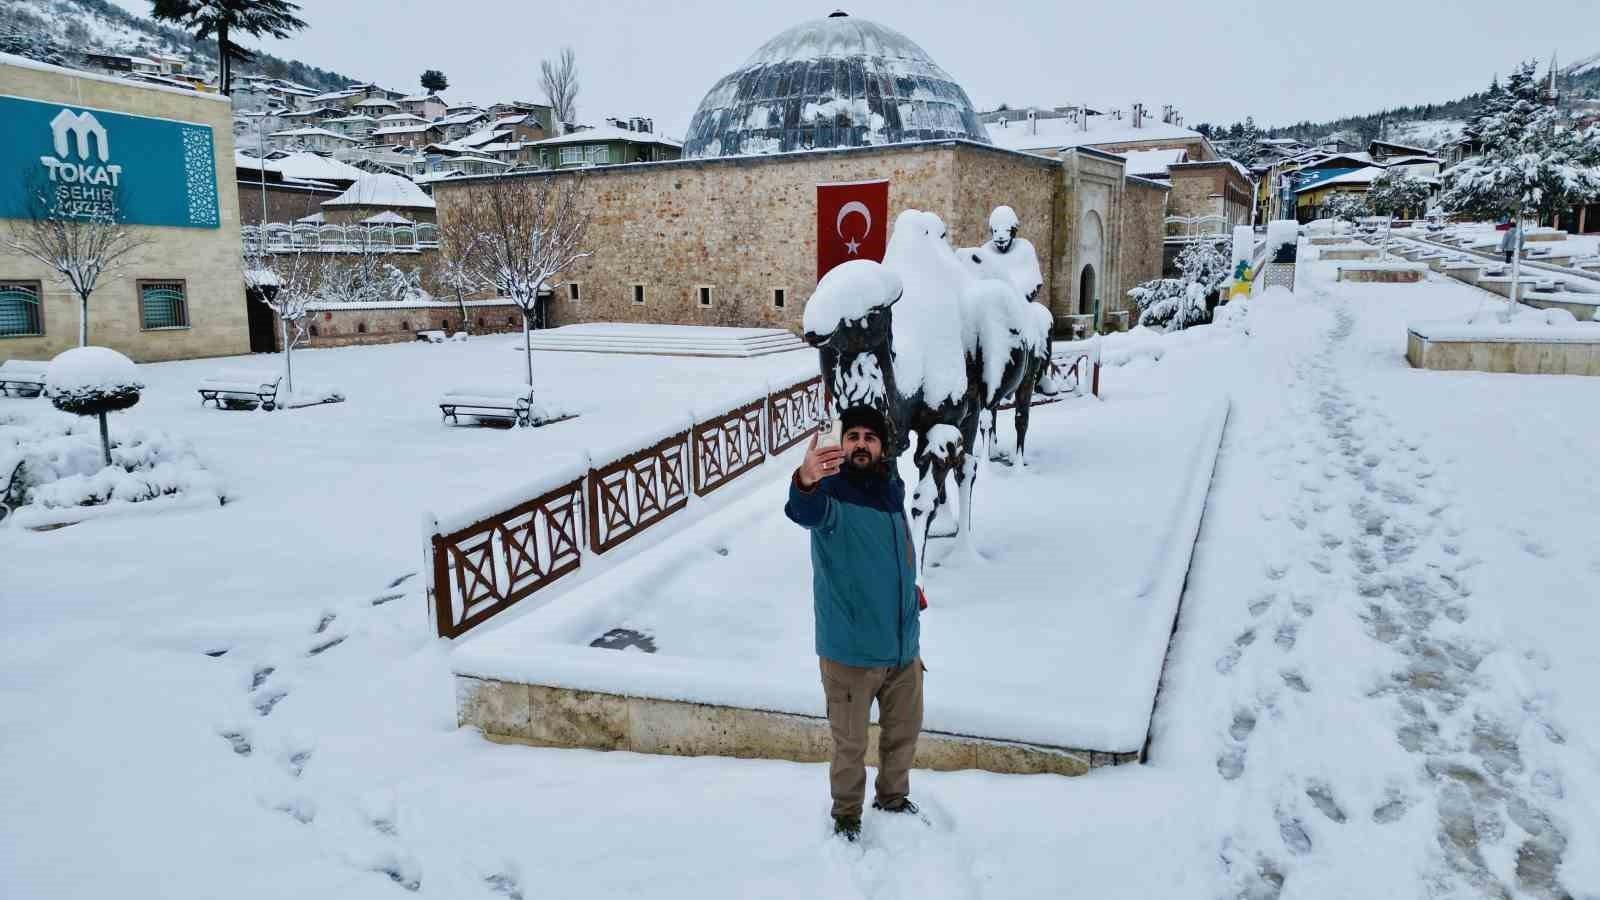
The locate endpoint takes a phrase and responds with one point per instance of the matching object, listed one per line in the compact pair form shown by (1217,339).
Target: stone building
(163,158)
(743,223)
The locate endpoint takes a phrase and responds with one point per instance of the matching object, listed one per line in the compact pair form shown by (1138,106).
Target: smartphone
(832,435)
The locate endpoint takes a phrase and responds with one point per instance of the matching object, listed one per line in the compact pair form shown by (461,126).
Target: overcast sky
(1217,60)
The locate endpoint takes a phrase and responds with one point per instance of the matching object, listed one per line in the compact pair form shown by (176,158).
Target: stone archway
(1091,259)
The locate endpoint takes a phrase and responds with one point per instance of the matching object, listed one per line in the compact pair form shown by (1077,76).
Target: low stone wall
(1380,275)
(1465,272)
(541,716)
(1324,239)
(1348,253)
(1582,306)
(1501,284)
(1520,357)
(394,324)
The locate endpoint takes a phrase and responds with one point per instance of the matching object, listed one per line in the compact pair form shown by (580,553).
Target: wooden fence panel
(637,491)
(727,447)
(485,568)
(793,413)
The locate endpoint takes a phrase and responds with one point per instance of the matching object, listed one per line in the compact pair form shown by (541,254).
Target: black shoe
(847,827)
(904,806)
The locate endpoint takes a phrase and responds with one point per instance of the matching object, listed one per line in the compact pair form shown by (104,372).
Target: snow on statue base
(1037,670)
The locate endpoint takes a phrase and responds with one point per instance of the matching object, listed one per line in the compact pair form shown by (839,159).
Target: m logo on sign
(83,188)
(82,126)
(852,223)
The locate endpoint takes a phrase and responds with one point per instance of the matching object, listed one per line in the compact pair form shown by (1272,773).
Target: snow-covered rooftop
(1153,163)
(383,190)
(405,129)
(300,166)
(387,217)
(609,133)
(313,132)
(1089,131)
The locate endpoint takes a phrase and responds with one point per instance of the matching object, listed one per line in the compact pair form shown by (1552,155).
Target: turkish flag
(852,223)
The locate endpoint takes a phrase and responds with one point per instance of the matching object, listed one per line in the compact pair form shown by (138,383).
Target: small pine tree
(433,81)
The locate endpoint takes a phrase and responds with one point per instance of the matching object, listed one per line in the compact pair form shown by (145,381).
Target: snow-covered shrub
(1394,193)
(93,381)
(62,468)
(1183,301)
(1344,206)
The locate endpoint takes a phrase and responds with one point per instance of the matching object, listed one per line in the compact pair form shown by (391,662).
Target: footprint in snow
(1321,794)
(1285,638)
(505,885)
(324,622)
(1295,681)
(1294,835)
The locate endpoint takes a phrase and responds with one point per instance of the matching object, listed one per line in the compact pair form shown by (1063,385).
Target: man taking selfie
(863,585)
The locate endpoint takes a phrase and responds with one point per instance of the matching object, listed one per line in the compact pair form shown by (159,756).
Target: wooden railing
(481,563)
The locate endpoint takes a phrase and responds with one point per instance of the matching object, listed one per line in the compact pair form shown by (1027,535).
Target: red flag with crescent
(852,223)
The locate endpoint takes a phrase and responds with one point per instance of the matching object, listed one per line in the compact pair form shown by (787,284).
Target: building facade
(745,227)
(162,161)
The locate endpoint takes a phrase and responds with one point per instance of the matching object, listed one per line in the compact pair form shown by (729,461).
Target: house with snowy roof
(604,145)
(287,186)
(458,125)
(309,138)
(428,106)
(372,194)
(411,136)
(357,126)
(375,106)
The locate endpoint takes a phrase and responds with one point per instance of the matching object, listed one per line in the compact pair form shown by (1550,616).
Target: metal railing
(481,565)
(282,237)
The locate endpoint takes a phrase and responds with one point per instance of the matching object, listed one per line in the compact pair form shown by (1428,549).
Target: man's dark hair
(865,417)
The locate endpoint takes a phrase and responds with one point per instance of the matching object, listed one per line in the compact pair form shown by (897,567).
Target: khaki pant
(850,691)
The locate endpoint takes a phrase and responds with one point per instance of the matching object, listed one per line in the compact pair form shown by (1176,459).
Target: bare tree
(81,245)
(530,232)
(559,79)
(287,284)
(457,269)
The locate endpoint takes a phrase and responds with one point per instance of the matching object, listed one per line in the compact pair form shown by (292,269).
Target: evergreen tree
(1395,193)
(433,81)
(224,18)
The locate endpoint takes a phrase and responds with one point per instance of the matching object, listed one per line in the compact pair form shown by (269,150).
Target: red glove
(922,599)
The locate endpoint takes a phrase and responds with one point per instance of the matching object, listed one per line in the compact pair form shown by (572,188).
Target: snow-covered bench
(436,336)
(25,376)
(241,389)
(10,484)
(513,403)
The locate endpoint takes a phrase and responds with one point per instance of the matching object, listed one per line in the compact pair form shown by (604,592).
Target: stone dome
(834,82)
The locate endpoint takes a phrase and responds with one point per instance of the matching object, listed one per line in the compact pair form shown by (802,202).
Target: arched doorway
(1091,256)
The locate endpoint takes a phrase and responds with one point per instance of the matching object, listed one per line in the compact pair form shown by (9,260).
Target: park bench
(241,389)
(24,376)
(509,403)
(10,485)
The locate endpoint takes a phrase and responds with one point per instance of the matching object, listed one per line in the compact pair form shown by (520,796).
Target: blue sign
(77,162)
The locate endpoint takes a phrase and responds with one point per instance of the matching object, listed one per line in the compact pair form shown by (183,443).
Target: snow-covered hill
(79,26)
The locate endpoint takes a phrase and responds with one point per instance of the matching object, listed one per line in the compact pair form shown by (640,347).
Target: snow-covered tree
(457,270)
(285,283)
(1345,206)
(93,381)
(1395,193)
(224,18)
(531,231)
(81,249)
(1533,162)
(1177,303)
(34,45)
(558,78)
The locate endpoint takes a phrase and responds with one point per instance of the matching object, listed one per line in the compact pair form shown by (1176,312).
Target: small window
(480,322)
(19,309)
(511,320)
(779,297)
(405,325)
(704,293)
(162,304)
(638,294)
(315,331)
(573,292)
(361,328)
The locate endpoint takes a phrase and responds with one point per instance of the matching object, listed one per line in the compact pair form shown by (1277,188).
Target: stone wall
(1144,209)
(387,325)
(745,226)
(206,260)
(1195,192)
(285,203)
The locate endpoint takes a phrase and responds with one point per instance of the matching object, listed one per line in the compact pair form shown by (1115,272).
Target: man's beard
(864,462)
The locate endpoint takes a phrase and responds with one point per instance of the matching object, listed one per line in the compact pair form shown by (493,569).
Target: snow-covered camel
(929,344)
(1012,260)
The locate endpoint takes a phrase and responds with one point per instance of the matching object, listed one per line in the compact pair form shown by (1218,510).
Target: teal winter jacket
(863,577)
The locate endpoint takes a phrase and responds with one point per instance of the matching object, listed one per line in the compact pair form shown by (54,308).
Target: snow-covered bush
(63,469)
(1183,301)
(1394,193)
(93,381)
(1344,206)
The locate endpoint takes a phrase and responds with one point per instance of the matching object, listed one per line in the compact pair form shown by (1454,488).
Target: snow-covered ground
(1381,683)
